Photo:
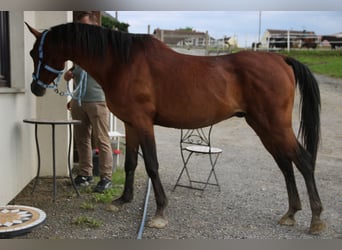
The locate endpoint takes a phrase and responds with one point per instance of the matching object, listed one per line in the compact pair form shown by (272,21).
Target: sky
(244,25)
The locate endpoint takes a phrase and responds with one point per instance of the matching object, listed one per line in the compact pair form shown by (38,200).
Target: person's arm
(68,75)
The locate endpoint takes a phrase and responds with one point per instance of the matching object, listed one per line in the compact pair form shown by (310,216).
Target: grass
(320,61)
(86,205)
(118,177)
(118,180)
(325,62)
(107,197)
(87,222)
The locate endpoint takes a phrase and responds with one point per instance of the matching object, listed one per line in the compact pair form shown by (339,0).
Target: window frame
(5,64)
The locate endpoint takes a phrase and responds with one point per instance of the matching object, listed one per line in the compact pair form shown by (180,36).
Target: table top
(51,121)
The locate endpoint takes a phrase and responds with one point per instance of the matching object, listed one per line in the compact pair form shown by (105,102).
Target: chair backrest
(198,137)
(113,127)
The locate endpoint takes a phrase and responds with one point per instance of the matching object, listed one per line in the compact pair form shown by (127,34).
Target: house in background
(191,42)
(273,38)
(333,41)
(17,145)
(184,37)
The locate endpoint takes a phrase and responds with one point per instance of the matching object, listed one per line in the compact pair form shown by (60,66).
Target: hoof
(158,222)
(119,202)
(287,221)
(317,227)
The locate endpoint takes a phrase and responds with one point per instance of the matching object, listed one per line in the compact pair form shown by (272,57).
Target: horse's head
(48,63)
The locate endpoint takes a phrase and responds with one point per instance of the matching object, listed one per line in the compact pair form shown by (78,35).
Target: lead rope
(79,92)
(143,219)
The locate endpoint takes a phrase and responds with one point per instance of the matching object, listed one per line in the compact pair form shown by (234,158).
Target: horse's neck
(83,59)
(96,66)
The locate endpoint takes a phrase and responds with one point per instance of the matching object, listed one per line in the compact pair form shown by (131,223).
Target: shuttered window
(4,50)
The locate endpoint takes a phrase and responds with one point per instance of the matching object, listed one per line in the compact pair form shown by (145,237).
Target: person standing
(92,110)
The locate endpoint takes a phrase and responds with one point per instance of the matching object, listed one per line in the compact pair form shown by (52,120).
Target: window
(4,50)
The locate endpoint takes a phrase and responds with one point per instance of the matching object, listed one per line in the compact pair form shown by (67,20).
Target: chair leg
(185,163)
(212,173)
(213,164)
(191,181)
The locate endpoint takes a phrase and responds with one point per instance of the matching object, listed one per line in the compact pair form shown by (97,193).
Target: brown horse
(147,83)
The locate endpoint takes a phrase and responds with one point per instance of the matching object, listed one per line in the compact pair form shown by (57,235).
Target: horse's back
(206,90)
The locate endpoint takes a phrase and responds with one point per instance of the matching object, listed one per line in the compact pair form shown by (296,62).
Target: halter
(47,67)
(77,94)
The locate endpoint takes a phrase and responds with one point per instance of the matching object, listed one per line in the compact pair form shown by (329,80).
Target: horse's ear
(35,32)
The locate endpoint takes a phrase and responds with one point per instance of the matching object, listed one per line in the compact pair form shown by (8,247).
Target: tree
(186,29)
(112,23)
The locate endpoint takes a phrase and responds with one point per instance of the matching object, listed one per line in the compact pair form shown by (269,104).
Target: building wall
(265,38)
(51,105)
(17,145)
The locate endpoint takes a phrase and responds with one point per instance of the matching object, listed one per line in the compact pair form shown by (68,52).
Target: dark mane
(94,40)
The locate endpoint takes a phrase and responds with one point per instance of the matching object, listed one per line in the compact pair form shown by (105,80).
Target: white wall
(17,146)
(51,105)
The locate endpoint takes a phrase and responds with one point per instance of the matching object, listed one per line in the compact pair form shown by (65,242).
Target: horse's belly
(188,121)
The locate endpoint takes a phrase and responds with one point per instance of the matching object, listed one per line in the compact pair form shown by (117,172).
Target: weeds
(87,222)
(107,197)
(87,206)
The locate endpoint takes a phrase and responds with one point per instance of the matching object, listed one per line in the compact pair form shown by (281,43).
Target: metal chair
(197,142)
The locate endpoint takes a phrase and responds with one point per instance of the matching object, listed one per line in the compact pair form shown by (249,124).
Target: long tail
(310,102)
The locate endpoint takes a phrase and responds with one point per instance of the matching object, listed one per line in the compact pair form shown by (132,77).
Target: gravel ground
(252,198)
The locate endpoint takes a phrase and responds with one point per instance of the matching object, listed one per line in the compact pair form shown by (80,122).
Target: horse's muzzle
(36,89)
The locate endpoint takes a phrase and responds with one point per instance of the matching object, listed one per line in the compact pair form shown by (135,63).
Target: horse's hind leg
(282,148)
(286,167)
(303,162)
(305,166)
(285,149)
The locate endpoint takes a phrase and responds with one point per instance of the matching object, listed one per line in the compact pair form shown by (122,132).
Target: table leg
(54,162)
(38,156)
(69,161)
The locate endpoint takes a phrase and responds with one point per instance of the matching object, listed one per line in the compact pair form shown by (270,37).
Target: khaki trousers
(95,119)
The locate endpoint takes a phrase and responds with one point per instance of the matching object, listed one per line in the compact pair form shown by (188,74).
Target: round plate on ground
(16,220)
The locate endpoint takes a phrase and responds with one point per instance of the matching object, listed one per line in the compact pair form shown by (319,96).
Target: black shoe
(83,180)
(103,185)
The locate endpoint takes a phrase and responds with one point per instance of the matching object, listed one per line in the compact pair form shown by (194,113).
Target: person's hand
(68,75)
(69,106)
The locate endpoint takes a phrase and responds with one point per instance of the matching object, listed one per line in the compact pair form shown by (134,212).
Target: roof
(295,34)
(284,32)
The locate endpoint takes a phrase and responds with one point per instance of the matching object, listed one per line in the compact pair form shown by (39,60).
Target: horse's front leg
(132,147)
(148,145)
